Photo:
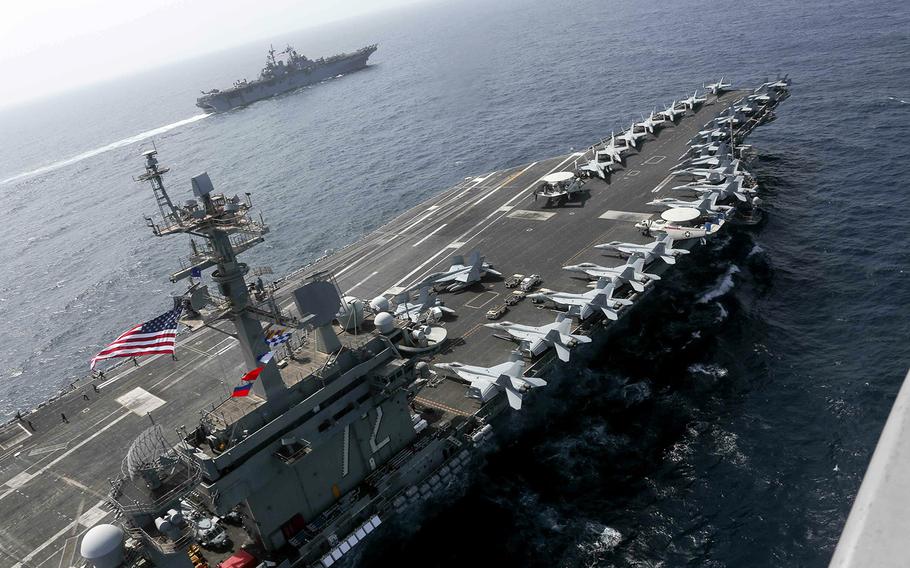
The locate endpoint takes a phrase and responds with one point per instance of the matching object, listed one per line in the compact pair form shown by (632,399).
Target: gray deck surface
(53,480)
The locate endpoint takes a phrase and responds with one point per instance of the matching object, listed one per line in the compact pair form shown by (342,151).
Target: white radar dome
(350,315)
(380,304)
(384,322)
(102,546)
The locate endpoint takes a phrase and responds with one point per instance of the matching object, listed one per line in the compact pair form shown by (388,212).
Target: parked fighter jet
(697,152)
(632,137)
(653,122)
(707,204)
(718,87)
(601,165)
(585,304)
(661,248)
(674,111)
(693,101)
(427,305)
(459,273)
(733,187)
(485,382)
(632,272)
(537,339)
(726,168)
(730,115)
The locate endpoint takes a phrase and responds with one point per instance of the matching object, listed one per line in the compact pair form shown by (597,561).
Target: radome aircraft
(632,272)
(661,248)
(460,274)
(718,87)
(585,304)
(485,382)
(537,339)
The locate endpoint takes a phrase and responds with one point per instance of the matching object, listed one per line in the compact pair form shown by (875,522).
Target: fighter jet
(707,203)
(585,304)
(733,187)
(730,115)
(653,122)
(661,248)
(726,168)
(693,101)
(460,274)
(485,382)
(710,134)
(601,166)
(631,137)
(718,87)
(632,272)
(697,152)
(537,339)
(674,111)
(427,305)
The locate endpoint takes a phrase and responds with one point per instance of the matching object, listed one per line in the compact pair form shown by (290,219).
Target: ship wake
(106,148)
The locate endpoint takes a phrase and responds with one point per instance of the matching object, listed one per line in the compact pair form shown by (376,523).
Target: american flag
(155,336)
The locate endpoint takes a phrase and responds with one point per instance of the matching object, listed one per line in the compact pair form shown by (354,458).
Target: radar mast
(227,229)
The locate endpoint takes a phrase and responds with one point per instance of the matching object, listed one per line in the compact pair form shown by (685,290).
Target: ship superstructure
(283,72)
(391,387)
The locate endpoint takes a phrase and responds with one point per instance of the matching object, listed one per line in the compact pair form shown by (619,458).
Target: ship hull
(239,97)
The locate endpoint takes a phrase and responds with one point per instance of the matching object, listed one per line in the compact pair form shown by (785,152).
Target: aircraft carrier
(361,414)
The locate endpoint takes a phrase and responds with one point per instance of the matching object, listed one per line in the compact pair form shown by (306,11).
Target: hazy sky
(48,46)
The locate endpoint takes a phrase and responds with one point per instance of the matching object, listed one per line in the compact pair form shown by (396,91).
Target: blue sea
(731,422)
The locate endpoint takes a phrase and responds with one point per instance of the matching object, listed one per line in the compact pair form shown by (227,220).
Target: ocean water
(728,425)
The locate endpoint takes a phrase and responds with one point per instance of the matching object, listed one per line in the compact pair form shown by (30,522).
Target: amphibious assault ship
(389,385)
(286,72)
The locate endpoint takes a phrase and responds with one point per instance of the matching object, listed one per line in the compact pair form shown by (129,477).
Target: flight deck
(55,462)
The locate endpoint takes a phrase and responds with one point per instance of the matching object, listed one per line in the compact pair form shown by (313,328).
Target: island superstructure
(283,72)
(391,382)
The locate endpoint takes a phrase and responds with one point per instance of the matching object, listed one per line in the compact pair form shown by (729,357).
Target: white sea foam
(107,148)
(712,370)
(724,285)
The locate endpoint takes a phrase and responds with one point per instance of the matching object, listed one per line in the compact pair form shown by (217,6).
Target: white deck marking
(140,401)
(394,290)
(91,517)
(630,216)
(436,230)
(417,222)
(19,480)
(530,215)
(472,303)
(424,263)
(374,273)
(28,557)
(661,185)
(463,238)
(505,209)
(48,449)
(505,183)
(654,160)
(64,455)
(17,439)
(456,244)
